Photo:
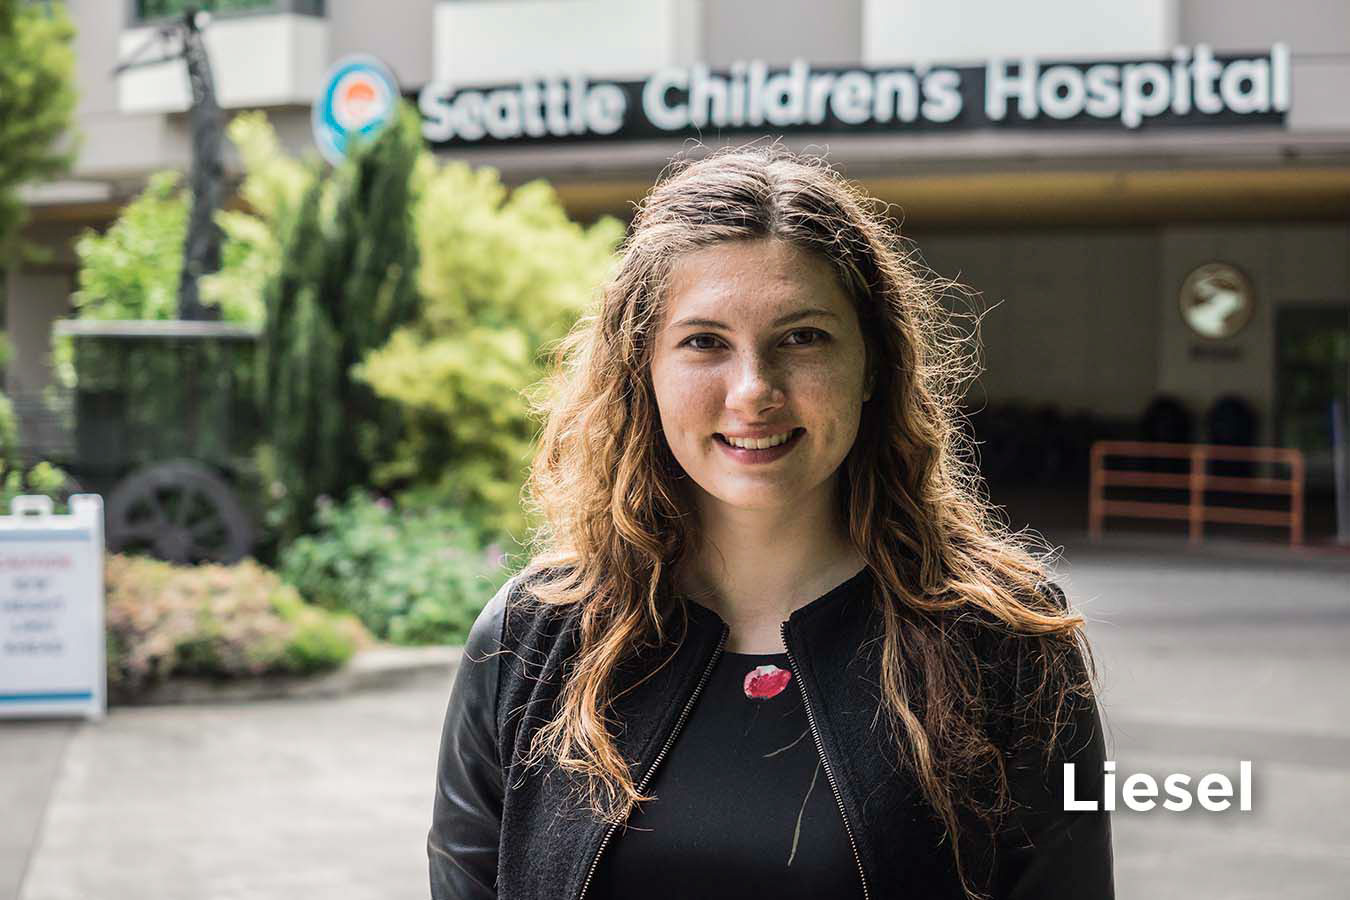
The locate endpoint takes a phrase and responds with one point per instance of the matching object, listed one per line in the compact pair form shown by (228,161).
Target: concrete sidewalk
(164,800)
(1205,660)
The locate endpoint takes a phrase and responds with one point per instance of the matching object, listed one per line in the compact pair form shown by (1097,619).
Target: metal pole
(1340,455)
(201,249)
(1197,495)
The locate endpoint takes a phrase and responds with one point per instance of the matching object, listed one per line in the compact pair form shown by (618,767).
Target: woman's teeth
(758,444)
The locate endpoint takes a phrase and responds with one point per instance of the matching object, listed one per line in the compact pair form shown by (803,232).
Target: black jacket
(498,831)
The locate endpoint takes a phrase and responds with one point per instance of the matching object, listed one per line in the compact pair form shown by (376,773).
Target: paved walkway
(1208,662)
(1204,662)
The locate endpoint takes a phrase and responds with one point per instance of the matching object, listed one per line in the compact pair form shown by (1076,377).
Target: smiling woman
(771,640)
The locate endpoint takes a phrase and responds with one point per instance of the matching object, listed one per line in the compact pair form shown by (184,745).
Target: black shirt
(743,806)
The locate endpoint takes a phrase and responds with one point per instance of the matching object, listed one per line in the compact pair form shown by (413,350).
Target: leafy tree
(131,270)
(37,98)
(346,281)
(503,275)
(274,186)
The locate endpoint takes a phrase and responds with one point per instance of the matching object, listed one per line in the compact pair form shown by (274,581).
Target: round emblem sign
(358,97)
(1216,301)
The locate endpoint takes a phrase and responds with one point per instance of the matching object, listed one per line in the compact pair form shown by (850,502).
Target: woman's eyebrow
(806,313)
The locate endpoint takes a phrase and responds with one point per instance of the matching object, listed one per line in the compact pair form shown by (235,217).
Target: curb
(378,668)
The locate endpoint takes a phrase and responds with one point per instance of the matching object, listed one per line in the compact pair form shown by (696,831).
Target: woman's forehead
(751,281)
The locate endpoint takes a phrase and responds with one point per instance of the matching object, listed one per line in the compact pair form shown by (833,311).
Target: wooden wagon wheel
(180,511)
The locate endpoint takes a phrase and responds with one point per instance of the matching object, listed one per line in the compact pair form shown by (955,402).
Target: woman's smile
(760,450)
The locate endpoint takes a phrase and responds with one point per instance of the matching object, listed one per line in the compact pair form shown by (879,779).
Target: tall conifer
(347,280)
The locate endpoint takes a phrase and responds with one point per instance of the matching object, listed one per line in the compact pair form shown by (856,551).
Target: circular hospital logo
(358,97)
(1216,300)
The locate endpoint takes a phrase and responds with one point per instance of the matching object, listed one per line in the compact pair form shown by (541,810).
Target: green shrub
(412,576)
(17,478)
(40,478)
(214,621)
(131,269)
(504,274)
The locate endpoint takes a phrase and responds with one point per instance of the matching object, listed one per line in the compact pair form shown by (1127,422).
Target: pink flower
(763,682)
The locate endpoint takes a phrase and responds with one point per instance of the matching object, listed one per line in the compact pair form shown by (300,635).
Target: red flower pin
(763,682)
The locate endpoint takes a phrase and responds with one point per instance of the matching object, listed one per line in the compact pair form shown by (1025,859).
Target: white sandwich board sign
(51,609)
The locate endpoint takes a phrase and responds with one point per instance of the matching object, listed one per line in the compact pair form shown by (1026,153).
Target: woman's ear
(870,367)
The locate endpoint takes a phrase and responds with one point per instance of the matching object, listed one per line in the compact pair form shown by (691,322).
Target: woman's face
(758,340)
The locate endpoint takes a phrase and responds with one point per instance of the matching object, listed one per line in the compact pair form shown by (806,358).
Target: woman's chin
(782,500)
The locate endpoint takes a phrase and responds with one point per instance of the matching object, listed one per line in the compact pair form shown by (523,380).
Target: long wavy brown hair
(613,519)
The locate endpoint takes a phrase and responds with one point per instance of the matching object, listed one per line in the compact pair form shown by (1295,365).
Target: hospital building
(1151,197)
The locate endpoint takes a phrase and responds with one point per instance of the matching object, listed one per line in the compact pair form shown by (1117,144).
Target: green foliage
(214,621)
(274,186)
(131,271)
(344,284)
(503,276)
(159,9)
(37,99)
(320,639)
(40,478)
(404,308)
(9,430)
(17,478)
(412,576)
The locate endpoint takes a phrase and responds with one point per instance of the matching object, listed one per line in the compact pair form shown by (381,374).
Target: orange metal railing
(1197,481)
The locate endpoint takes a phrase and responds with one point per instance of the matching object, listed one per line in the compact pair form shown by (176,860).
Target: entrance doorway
(1312,368)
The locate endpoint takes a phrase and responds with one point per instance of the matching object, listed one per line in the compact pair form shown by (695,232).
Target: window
(155,10)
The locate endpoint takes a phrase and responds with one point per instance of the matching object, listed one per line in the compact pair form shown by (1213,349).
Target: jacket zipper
(829,773)
(651,770)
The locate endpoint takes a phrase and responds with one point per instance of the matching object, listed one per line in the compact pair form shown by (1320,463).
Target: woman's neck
(755,567)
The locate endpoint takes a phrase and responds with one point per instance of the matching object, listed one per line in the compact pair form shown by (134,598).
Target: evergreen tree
(37,97)
(347,280)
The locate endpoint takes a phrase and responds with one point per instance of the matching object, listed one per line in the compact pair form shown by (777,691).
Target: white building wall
(1318,34)
(494,41)
(262,60)
(971,31)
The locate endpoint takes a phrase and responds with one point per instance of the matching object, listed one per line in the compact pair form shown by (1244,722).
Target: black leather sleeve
(1046,852)
(466,816)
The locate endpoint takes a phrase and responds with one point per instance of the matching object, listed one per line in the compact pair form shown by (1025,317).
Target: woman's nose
(755,385)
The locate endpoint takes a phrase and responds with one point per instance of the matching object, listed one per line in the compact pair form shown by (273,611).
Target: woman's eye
(817,336)
(699,337)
